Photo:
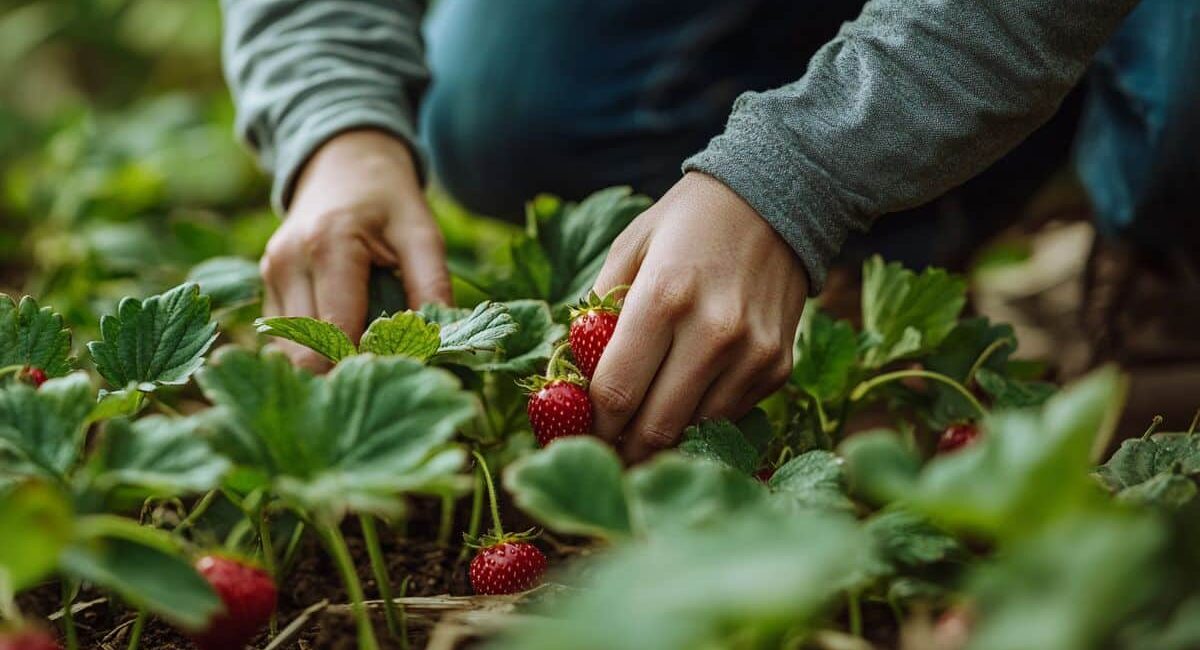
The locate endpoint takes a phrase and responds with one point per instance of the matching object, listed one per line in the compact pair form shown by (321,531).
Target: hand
(357,203)
(708,324)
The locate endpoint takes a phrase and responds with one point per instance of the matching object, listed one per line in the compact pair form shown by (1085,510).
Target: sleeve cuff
(760,161)
(319,126)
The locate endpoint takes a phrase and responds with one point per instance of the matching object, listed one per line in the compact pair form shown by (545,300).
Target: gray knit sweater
(909,100)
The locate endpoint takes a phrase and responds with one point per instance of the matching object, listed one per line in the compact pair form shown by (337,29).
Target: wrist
(361,158)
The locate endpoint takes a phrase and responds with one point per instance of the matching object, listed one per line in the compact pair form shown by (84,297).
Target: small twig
(297,626)
(77,608)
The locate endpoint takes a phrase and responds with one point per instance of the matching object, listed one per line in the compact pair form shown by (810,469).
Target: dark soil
(434,570)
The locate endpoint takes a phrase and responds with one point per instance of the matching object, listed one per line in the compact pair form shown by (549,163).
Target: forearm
(302,71)
(911,99)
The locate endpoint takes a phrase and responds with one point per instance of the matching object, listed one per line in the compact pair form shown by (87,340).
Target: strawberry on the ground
(28,638)
(958,436)
(593,322)
(508,566)
(559,404)
(249,596)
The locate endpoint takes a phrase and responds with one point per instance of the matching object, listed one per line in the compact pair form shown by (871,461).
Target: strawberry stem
(1154,425)
(345,565)
(8,370)
(611,294)
(447,522)
(552,366)
(68,598)
(487,477)
(476,514)
(1195,421)
(855,613)
(987,354)
(379,568)
(135,636)
(867,386)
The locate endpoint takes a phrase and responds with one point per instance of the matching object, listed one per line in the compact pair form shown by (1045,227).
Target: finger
(691,367)
(422,254)
(762,370)
(340,276)
(629,363)
(622,262)
(297,299)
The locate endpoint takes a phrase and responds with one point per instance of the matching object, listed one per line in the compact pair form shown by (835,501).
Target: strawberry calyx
(558,370)
(609,303)
(494,538)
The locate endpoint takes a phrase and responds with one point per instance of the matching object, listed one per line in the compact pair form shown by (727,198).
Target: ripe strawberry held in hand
(592,325)
(958,436)
(29,638)
(507,567)
(559,404)
(560,408)
(249,596)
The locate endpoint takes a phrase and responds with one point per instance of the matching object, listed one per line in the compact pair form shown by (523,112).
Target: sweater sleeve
(909,100)
(302,71)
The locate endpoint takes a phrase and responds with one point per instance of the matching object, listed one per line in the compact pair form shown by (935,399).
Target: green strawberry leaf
(880,466)
(722,442)
(701,589)
(826,352)
(531,345)
(1070,586)
(33,336)
(229,281)
(326,339)
(156,457)
(43,517)
(673,492)
(574,486)
(906,314)
(159,341)
(814,479)
(41,431)
(559,257)
(350,441)
(116,404)
(956,356)
(1028,468)
(402,334)
(1014,393)
(144,566)
(1139,460)
(468,333)
(1170,490)
(906,540)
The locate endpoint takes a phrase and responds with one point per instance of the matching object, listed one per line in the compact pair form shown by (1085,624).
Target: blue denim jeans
(568,96)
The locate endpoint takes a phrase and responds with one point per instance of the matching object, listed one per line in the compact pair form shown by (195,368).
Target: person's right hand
(358,203)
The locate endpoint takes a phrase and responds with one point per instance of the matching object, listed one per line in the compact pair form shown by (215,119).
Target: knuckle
(673,293)
(611,397)
(315,242)
(779,375)
(657,435)
(725,328)
(765,353)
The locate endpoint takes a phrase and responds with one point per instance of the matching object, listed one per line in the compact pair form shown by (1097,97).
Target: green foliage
(560,255)
(403,334)
(756,576)
(351,441)
(159,341)
(826,352)
(43,518)
(228,281)
(905,313)
(41,431)
(814,479)
(155,456)
(33,336)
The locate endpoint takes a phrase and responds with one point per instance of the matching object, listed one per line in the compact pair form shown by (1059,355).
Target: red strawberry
(561,407)
(34,375)
(592,325)
(28,639)
(249,596)
(958,436)
(507,567)
(764,474)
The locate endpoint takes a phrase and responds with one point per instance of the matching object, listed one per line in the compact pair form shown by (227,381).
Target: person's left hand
(707,327)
